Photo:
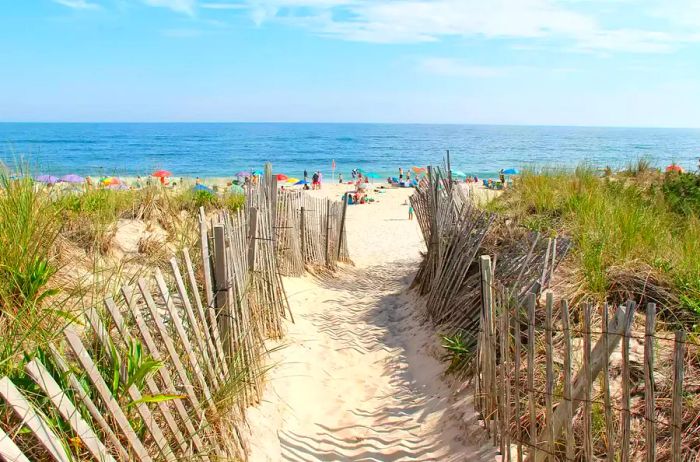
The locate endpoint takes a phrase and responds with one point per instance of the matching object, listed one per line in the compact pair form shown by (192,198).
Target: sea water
(222,149)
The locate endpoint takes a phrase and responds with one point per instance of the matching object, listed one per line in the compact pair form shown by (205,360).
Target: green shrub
(682,191)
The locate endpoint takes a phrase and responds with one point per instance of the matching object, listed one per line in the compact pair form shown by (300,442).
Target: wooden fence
(548,390)
(551,382)
(165,370)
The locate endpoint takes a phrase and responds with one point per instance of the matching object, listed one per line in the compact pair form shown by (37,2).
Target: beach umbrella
(292,180)
(459,173)
(256,172)
(281,177)
(302,182)
(48,179)
(110,181)
(511,171)
(418,170)
(373,175)
(161,174)
(201,187)
(674,168)
(72,178)
(237,189)
(118,186)
(242,174)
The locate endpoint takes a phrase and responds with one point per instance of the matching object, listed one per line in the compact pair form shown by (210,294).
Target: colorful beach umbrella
(112,181)
(281,177)
(48,179)
(161,174)
(242,174)
(511,171)
(674,168)
(459,173)
(256,172)
(302,182)
(292,180)
(376,176)
(418,170)
(72,178)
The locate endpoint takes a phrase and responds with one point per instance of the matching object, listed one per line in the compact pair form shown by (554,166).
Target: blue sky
(578,62)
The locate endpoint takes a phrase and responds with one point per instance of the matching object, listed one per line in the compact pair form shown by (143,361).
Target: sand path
(358,378)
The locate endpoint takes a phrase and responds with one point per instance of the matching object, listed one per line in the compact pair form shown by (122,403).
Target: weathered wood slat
(40,429)
(164,373)
(649,386)
(568,405)
(9,450)
(677,396)
(101,387)
(53,391)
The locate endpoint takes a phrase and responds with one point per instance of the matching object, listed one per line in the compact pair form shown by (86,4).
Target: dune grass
(620,222)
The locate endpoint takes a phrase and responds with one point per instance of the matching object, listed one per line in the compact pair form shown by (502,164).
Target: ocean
(221,149)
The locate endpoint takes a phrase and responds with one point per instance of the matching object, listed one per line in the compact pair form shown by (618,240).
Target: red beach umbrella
(161,174)
(281,177)
(674,168)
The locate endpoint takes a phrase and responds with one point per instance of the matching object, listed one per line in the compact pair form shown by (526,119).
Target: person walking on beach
(306,175)
(410,212)
(340,178)
(400,173)
(314,181)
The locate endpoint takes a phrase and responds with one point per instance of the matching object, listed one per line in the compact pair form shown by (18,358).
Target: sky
(540,62)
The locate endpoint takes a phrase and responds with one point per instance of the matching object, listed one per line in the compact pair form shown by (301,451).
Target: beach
(359,375)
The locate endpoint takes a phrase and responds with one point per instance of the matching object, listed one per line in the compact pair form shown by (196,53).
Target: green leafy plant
(460,349)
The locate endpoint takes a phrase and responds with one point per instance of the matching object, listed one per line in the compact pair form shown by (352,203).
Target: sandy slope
(359,379)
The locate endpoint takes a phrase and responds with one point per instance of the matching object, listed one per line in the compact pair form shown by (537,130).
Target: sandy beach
(359,376)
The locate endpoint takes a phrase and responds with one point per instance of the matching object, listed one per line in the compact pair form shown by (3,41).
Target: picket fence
(550,382)
(207,339)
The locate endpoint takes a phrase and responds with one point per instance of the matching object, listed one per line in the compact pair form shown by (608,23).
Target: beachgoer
(502,177)
(400,174)
(410,212)
(197,181)
(320,179)
(353,173)
(340,178)
(306,175)
(408,176)
(314,181)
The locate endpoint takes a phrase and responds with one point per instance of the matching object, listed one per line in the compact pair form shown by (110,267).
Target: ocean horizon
(209,149)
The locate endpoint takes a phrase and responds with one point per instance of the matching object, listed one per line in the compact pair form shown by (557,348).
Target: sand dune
(359,378)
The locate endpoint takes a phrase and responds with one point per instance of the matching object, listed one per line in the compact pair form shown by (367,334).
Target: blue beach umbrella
(201,187)
(242,174)
(376,176)
(301,182)
(459,173)
(511,171)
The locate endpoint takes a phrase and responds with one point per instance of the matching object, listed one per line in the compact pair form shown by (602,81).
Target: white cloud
(180,6)
(222,6)
(456,68)
(78,4)
(573,23)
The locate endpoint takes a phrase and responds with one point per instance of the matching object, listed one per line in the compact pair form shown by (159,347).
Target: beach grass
(638,222)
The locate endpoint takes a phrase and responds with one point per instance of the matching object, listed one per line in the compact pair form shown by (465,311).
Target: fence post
(609,430)
(530,303)
(342,224)
(328,232)
(677,403)
(252,238)
(516,391)
(206,260)
(588,384)
(625,417)
(649,399)
(489,354)
(302,230)
(569,419)
(220,277)
(549,366)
